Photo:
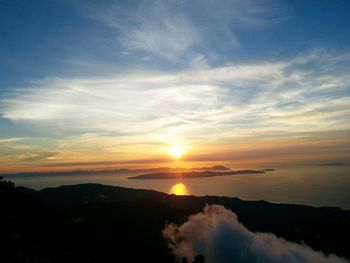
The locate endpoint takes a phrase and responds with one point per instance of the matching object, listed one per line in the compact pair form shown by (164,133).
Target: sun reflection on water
(179,189)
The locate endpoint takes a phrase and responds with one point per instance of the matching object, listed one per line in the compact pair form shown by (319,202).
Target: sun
(177,151)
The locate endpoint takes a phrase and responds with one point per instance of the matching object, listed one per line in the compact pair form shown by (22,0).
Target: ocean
(310,185)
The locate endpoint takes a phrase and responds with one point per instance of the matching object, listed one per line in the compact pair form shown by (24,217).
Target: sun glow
(179,189)
(177,151)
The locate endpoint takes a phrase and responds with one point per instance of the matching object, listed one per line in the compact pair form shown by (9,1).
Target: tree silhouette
(6,184)
(198,259)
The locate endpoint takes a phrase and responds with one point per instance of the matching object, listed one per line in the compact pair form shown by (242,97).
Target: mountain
(193,174)
(100,223)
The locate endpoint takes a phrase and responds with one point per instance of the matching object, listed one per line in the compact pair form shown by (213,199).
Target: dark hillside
(98,223)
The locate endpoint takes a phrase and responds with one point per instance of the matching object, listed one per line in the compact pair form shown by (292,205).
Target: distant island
(194,174)
(119,171)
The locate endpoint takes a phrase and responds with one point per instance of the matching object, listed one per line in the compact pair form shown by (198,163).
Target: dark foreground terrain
(98,223)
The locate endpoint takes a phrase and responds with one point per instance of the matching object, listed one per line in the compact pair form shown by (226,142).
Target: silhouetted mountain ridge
(193,174)
(101,223)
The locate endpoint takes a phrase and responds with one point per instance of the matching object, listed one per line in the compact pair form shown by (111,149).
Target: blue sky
(44,38)
(132,75)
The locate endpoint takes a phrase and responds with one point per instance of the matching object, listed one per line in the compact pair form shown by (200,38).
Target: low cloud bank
(217,234)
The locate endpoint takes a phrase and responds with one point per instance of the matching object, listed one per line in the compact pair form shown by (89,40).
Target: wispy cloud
(122,116)
(169,38)
(151,27)
(10,140)
(284,96)
(39,156)
(185,30)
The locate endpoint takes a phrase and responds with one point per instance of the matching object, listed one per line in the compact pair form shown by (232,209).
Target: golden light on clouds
(179,189)
(177,151)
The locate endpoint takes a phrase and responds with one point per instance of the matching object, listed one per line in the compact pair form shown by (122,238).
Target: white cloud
(217,234)
(154,27)
(283,96)
(10,140)
(169,38)
(179,31)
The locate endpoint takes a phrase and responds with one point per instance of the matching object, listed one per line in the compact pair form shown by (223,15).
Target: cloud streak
(256,112)
(217,234)
(269,97)
(179,31)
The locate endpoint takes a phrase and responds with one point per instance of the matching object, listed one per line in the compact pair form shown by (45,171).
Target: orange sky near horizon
(239,153)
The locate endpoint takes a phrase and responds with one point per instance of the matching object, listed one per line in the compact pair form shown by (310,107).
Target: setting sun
(177,151)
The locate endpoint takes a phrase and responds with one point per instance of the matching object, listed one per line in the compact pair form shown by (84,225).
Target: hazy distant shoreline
(118,171)
(147,173)
(194,174)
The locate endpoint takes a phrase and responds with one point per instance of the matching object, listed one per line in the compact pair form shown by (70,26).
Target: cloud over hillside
(217,234)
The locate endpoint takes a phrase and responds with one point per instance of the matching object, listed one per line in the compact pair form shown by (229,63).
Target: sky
(100,84)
